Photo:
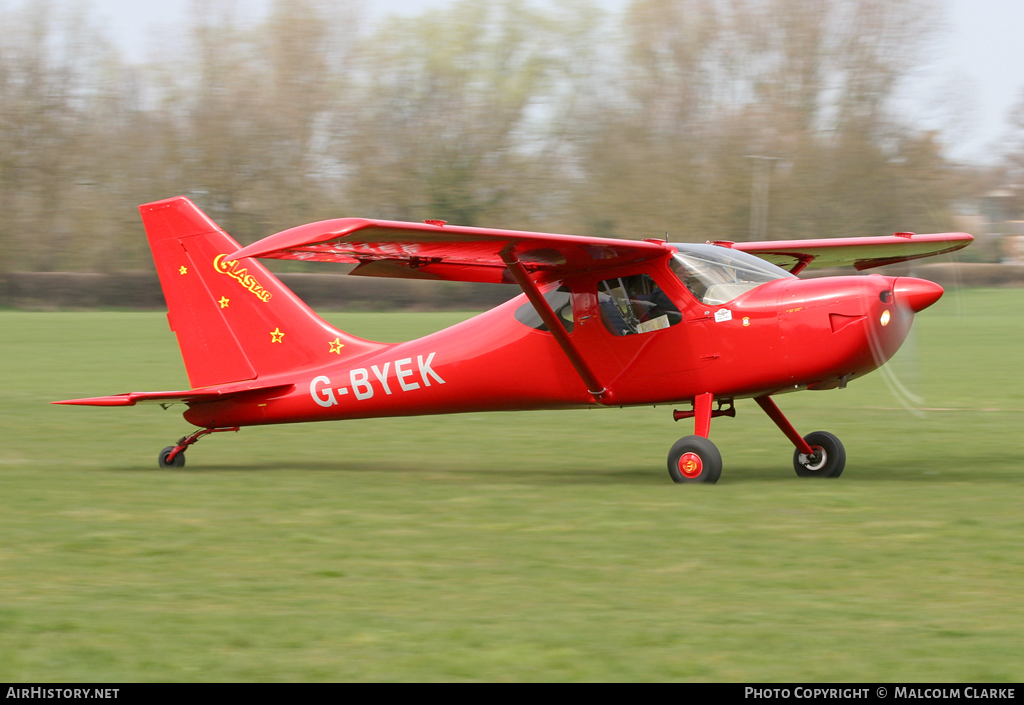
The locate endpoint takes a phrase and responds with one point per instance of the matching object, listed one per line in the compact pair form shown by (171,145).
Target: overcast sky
(976,73)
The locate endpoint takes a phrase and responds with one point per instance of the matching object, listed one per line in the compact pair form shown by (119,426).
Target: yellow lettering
(220,265)
(243,277)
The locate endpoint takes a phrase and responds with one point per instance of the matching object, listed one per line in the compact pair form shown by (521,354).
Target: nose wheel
(827,459)
(818,454)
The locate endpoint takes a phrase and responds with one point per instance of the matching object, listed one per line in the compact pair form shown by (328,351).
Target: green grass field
(525,546)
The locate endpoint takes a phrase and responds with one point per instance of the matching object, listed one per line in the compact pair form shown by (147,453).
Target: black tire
(704,463)
(829,463)
(178,462)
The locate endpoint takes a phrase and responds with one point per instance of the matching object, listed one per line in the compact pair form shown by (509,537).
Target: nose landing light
(916,294)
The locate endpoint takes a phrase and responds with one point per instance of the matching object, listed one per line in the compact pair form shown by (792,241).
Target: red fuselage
(783,335)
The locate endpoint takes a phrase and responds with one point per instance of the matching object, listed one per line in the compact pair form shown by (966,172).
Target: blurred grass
(526,546)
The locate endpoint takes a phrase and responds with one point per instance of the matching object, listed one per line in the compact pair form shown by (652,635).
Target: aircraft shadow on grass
(634,476)
(639,475)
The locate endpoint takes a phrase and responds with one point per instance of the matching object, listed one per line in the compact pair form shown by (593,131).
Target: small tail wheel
(178,462)
(694,459)
(828,459)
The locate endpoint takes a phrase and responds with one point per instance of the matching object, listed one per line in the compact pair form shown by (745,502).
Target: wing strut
(601,394)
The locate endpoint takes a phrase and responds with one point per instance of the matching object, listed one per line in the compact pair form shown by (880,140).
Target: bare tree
(696,117)
(454,112)
(51,63)
(711,83)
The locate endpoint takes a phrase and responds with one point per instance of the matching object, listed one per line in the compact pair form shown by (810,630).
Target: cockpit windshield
(717,274)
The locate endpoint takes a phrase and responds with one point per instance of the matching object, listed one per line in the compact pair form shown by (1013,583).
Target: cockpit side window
(635,304)
(559,299)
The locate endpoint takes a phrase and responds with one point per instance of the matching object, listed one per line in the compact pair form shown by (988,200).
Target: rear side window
(636,304)
(560,301)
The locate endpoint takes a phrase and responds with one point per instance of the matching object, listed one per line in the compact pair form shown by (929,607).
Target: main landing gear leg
(695,458)
(174,456)
(818,454)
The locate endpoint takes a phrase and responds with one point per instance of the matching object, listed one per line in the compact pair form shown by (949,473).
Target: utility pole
(759,189)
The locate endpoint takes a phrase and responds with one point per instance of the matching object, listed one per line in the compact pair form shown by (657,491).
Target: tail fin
(235,321)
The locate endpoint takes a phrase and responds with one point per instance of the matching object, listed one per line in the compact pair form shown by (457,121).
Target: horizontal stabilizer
(436,250)
(860,252)
(188,396)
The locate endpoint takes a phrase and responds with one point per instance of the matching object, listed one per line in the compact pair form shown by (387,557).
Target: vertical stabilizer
(234,320)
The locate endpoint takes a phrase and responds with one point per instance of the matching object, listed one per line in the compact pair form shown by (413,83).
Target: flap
(436,250)
(861,252)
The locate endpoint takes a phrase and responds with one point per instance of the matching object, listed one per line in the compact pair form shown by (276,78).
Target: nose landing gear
(818,454)
(827,460)
(174,456)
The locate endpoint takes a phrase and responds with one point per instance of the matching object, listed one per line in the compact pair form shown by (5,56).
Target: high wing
(861,252)
(187,396)
(436,250)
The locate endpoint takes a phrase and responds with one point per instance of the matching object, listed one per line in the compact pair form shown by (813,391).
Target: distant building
(1013,245)
(996,220)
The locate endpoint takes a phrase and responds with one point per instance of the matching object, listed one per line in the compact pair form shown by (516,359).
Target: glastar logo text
(242,275)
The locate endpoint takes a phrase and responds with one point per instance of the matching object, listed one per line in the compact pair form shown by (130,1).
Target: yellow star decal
(336,345)
(276,336)
(224,301)
(182,269)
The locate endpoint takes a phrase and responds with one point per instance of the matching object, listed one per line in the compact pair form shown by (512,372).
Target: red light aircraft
(601,322)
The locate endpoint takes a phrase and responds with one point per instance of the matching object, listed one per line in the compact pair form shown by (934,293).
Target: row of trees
(709,119)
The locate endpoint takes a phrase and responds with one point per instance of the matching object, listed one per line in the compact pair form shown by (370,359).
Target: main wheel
(694,459)
(178,462)
(828,460)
